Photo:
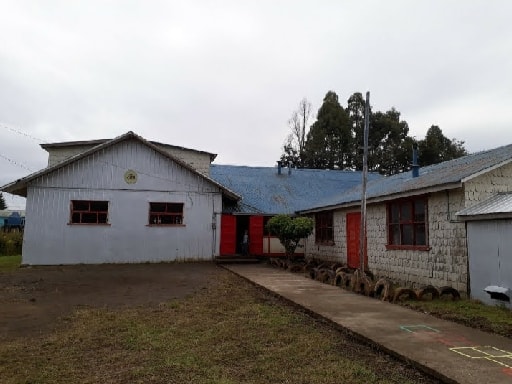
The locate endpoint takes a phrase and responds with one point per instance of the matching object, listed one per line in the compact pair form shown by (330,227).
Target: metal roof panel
(263,189)
(500,203)
(445,173)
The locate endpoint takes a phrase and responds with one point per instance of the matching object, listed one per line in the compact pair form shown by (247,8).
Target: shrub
(11,243)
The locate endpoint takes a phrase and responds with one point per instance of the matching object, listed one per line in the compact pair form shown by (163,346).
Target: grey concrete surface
(452,352)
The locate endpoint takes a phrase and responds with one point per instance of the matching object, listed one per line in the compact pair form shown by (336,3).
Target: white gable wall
(50,239)
(197,160)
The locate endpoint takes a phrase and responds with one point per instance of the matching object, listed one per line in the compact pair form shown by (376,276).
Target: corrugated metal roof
(449,173)
(500,203)
(264,190)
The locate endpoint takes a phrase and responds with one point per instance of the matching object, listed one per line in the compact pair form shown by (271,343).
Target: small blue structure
(12,221)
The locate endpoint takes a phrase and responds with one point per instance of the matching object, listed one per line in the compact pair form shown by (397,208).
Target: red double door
(229,235)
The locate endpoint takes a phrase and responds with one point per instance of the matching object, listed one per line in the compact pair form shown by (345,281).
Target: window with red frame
(89,212)
(324,232)
(407,223)
(165,213)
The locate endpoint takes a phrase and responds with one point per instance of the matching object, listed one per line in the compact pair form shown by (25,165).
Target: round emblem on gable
(130,176)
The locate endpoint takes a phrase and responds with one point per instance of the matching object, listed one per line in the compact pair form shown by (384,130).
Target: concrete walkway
(452,352)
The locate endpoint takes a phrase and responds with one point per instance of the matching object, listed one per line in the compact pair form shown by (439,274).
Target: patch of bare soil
(33,299)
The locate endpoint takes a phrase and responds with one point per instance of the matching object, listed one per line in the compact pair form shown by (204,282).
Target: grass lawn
(8,263)
(230,332)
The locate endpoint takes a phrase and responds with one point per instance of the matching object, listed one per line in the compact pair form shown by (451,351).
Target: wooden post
(362,235)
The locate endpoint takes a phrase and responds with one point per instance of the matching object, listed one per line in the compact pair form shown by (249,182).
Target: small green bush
(290,230)
(11,243)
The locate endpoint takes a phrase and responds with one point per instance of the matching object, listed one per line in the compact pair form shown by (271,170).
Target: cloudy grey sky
(225,76)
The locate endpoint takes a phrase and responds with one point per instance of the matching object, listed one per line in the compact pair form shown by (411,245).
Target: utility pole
(362,234)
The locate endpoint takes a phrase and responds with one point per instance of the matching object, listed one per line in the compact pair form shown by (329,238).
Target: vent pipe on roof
(415,166)
(278,167)
(289,168)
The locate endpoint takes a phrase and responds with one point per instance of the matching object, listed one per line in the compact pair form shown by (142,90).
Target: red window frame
(324,229)
(165,214)
(407,224)
(88,212)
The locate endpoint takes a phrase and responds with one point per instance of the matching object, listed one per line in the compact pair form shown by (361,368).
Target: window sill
(89,224)
(391,247)
(165,225)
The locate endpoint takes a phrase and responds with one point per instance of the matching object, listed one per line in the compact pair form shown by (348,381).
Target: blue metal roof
(263,190)
(438,175)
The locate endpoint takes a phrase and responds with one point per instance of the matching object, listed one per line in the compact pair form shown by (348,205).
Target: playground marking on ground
(462,346)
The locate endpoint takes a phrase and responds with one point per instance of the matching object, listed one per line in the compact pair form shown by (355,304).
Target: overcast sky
(225,76)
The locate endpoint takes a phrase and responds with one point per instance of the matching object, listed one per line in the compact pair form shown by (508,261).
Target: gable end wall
(198,161)
(489,184)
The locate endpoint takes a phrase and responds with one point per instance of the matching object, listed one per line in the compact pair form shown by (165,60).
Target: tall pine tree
(436,147)
(356,110)
(335,140)
(329,142)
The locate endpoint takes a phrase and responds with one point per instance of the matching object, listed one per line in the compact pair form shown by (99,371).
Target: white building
(119,201)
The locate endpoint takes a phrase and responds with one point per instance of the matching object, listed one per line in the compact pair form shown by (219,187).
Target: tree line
(335,139)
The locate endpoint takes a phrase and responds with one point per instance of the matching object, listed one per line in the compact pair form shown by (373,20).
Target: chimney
(278,167)
(289,168)
(415,166)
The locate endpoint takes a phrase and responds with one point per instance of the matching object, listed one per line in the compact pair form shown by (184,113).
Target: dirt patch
(33,299)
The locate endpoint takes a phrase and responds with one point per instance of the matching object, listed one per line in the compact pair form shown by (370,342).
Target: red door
(256,235)
(353,236)
(227,235)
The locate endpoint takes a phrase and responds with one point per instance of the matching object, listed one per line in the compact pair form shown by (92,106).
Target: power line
(19,132)
(25,134)
(18,164)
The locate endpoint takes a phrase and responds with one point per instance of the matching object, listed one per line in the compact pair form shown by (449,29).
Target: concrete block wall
(488,184)
(197,160)
(336,252)
(56,155)
(445,263)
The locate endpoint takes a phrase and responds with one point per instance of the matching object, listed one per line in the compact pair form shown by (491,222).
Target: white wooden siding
(49,239)
(197,160)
